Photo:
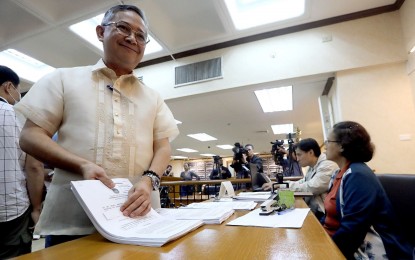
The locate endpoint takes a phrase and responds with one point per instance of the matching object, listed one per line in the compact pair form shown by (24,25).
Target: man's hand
(91,171)
(139,199)
(35,214)
(267,186)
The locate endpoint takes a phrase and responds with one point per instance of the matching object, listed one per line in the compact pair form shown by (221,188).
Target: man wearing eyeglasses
(318,175)
(110,125)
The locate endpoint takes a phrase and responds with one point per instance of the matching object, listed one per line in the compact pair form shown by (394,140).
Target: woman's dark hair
(7,74)
(307,145)
(355,141)
(120,8)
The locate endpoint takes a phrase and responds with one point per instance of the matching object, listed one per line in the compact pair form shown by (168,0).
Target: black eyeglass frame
(330,141)
(126,34)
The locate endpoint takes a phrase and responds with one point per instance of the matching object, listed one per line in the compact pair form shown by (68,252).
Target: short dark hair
(309,144)
(7,74)
(122,8)
(355,141)
(249,145)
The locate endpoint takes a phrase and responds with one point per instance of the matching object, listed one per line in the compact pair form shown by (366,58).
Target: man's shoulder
(324,162)
(6,107)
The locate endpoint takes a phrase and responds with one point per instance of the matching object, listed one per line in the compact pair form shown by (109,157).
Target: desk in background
(211,242)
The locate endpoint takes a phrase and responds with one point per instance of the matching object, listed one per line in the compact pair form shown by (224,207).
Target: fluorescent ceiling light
(202,137)
(187,150)
(251,13)
(178,122)
(178,157)
(225,146)
(275,99)
(282,129)
(412,50)
(207,154)
(25,66)
(86,30)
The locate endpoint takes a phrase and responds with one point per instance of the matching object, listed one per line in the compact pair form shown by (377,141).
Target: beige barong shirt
(109,120)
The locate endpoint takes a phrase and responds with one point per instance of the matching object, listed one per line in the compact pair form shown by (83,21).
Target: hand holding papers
(102,205)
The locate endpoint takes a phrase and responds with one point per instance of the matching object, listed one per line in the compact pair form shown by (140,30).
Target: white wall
(380,98)
(359,43)
(407,15)
(373,83)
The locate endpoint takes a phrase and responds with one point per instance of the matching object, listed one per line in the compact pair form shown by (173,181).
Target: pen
(116,90)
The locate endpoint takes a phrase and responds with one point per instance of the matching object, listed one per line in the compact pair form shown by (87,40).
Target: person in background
(19,209)
(187,175)
(317,177)
(168,171)
(221,173)
(356,200)
(110,125)
(290,166)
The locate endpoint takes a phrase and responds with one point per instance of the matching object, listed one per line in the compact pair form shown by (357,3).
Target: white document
(254,196)
(102,205)
(236,205)
(207,215)
(286,219)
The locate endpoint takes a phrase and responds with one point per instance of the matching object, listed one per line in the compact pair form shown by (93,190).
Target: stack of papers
(254,196)
(102,205)
(236,205)
(207,215)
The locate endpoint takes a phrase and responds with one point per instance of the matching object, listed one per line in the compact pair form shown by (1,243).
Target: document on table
(236,205)
(254,196)
(102,205)
(287,219)
(207,215)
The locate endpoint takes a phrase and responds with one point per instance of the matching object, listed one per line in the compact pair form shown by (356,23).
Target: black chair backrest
(400,189)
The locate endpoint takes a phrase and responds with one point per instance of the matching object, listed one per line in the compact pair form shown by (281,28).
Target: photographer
(241,171)
(289,164)
(219,171)
(317,177)
(250,157)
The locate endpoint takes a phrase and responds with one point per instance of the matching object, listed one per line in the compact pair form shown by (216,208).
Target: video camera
(216,159)
(238,150)
(278,155)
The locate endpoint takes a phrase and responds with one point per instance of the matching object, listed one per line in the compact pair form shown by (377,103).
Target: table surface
(211,242)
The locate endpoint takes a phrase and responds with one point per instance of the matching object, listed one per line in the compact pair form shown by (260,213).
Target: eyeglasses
(125,29)
(330,141)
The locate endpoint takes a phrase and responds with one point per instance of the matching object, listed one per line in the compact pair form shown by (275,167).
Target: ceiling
(39,28)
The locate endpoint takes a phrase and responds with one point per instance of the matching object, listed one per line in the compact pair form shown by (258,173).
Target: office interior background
(346,60)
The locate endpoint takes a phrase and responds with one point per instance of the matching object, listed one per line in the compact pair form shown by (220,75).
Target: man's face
(122,53)
(250,150)
(304,158)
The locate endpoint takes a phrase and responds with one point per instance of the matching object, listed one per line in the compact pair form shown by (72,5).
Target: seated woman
(356,200)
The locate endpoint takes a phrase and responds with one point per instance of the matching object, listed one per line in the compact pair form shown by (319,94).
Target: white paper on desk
(236,205)
(290,219)
(254,196)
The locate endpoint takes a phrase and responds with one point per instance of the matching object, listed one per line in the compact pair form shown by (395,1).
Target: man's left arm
(139,197)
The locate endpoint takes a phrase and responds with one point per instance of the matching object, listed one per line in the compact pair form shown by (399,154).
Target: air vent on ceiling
(198,72)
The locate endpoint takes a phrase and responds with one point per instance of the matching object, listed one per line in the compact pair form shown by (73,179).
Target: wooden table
(211,242)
